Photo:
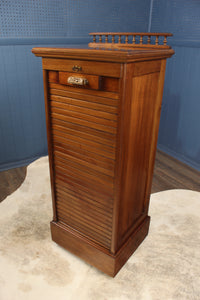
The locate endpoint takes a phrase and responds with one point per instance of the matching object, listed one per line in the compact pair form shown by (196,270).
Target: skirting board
(195,165)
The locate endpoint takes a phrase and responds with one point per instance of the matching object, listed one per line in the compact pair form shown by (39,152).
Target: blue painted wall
(27,24)
(22,132)
(179,133)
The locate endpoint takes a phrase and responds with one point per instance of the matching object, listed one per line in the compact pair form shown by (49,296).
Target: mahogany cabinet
(102,114)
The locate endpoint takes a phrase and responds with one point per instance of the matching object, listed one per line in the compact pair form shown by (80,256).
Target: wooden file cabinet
(102,133)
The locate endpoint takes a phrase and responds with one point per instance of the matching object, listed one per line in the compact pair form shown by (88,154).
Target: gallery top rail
(123,40)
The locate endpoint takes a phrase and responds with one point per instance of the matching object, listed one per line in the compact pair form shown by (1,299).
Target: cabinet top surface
(112,55)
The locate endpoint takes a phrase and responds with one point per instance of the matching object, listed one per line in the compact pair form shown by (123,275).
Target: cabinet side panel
(155,135)
(144,90)
(49,140)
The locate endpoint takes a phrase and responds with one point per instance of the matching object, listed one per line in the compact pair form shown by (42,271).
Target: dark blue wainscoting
(181,17)
(26,24)
(179,133)
(67,18)
(22,115)
(22,112)
(111,15)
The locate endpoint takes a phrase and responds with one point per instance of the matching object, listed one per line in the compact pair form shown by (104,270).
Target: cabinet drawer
(84,67)
(92,80)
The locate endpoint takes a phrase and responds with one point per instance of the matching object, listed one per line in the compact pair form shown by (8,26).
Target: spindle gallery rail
(129,40)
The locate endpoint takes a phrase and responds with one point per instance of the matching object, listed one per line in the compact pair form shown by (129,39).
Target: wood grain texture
(103,97)
(134,146)
(95,254)
(53,76)
(85,113)
(49,140)
(103,145)
(144,68)
(169,173)
(135,173)
(110,84)
(98,109)
(155,128)
(100,56)
(87,67)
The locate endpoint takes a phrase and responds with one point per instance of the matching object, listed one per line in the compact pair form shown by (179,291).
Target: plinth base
(95,255)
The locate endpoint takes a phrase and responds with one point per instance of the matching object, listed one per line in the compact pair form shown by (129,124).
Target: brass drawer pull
(77,68)
(77,80)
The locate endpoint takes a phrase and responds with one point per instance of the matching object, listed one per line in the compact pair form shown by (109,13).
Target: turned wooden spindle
(100,38)
(113,38)
(94,38)
(133,40)
(126,39)
(165,40)
(141,40)
(156,43)
(106,39)
(119,39)
(149,39)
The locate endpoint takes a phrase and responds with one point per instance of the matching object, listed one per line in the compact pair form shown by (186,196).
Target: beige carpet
(165,266)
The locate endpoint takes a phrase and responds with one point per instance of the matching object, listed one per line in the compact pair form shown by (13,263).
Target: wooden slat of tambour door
(85,179)
(111,104)
(82,196)
(84,110)
(85,211)
(85,103)
(85,230)
(95,146)
(83,122)
(83,163)
(97,189)
(69,140)
(73,187)
(82,134)
(105,138)
(79,210)
(90,175)
(84,116)
(84,221)
(105,104)
(82,199)
(99,176)
(92,158)
(75,90)
(76,216)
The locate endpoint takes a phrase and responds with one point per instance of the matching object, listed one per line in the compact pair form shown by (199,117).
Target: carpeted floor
(166,265)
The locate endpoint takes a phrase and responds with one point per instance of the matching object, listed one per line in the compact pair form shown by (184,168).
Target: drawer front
(98,83)
(83,129)
(88,81)
(84,67)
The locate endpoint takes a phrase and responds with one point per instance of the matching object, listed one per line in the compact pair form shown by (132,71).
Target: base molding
(94,254)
